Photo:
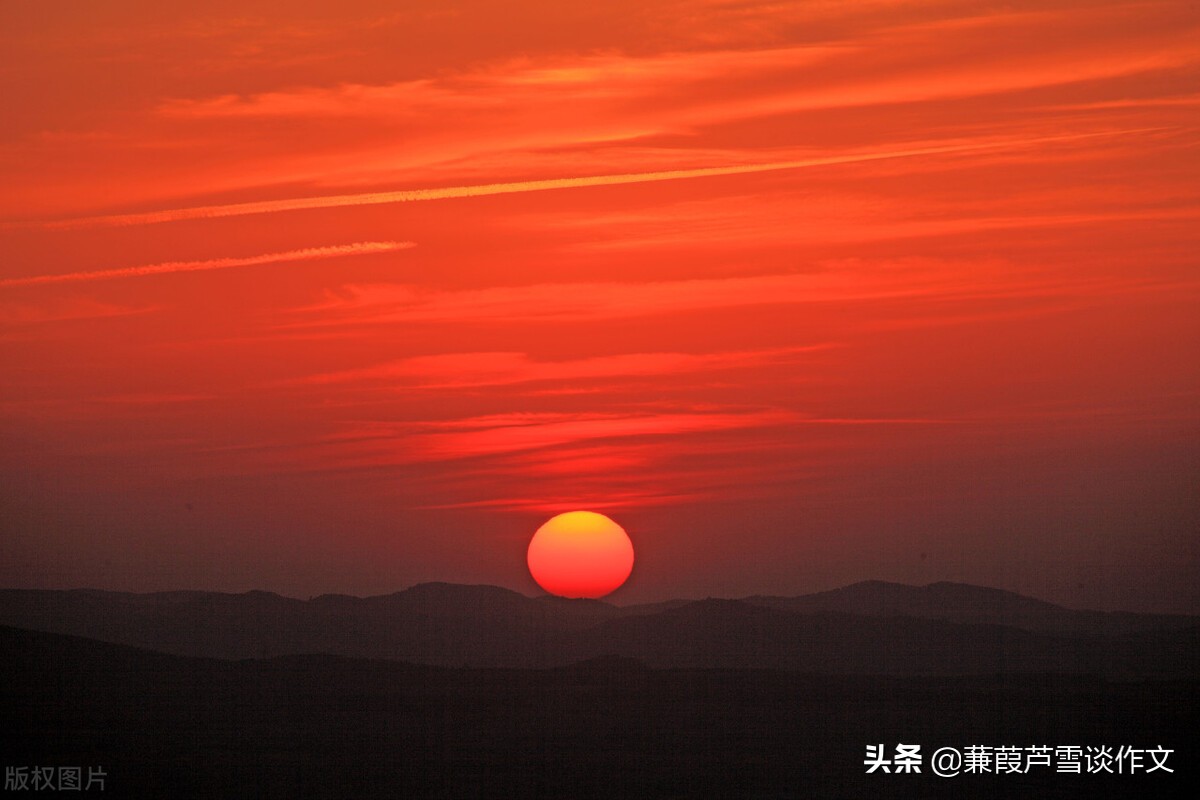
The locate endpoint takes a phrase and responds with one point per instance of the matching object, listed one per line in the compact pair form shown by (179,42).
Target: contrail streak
(481,190)
(307,254)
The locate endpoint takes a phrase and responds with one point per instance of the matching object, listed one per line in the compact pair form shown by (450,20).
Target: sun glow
(580,554)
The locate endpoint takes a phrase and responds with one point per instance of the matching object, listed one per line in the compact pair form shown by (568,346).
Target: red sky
(316,296)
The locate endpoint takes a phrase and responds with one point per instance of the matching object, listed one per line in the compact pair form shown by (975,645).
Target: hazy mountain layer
(868,628)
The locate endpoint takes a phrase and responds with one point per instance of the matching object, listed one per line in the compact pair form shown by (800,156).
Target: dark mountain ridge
(867,628)
(327,726)
(961,602)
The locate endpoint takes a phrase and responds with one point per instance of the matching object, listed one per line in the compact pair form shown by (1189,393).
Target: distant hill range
(871,628)
(323,726)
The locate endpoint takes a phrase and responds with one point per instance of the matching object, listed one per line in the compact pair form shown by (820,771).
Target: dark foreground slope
(322,726)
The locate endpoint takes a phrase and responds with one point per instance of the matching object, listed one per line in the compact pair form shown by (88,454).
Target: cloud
(515,187)
(306,254)
(765,221)
(516,114)
(501,437)
(673,91)
(463,370)
(568,429)
(597,501)
(599,443)
(154,398)
(520,82)
(64,310)
(581,302)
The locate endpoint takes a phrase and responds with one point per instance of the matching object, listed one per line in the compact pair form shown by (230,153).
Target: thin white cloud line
(306,254)
(482,190)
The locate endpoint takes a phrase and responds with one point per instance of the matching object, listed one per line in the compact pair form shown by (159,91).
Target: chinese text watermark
(949,762)
(54,779)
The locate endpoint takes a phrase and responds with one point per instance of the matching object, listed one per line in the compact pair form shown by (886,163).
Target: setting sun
(580,554)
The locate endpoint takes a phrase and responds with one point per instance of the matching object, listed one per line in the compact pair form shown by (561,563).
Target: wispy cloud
(168,267)
(483,190)
(711,86)
(580,302)
(769,222)
(575,445)
(490,124)
(462,370)
(572,428)
(599,500)
(154,398)
(64,310)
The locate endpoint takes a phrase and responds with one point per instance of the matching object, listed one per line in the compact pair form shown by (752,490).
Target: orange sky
(316,296)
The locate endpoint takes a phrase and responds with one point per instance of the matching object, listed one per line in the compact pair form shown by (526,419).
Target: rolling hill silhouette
(961,602)
(868,628)
(325,726)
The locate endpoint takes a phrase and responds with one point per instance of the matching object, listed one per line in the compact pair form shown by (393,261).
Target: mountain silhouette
(867,628)
(328,726)
(961,602)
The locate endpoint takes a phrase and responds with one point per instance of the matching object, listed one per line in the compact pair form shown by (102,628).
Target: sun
(580,554)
